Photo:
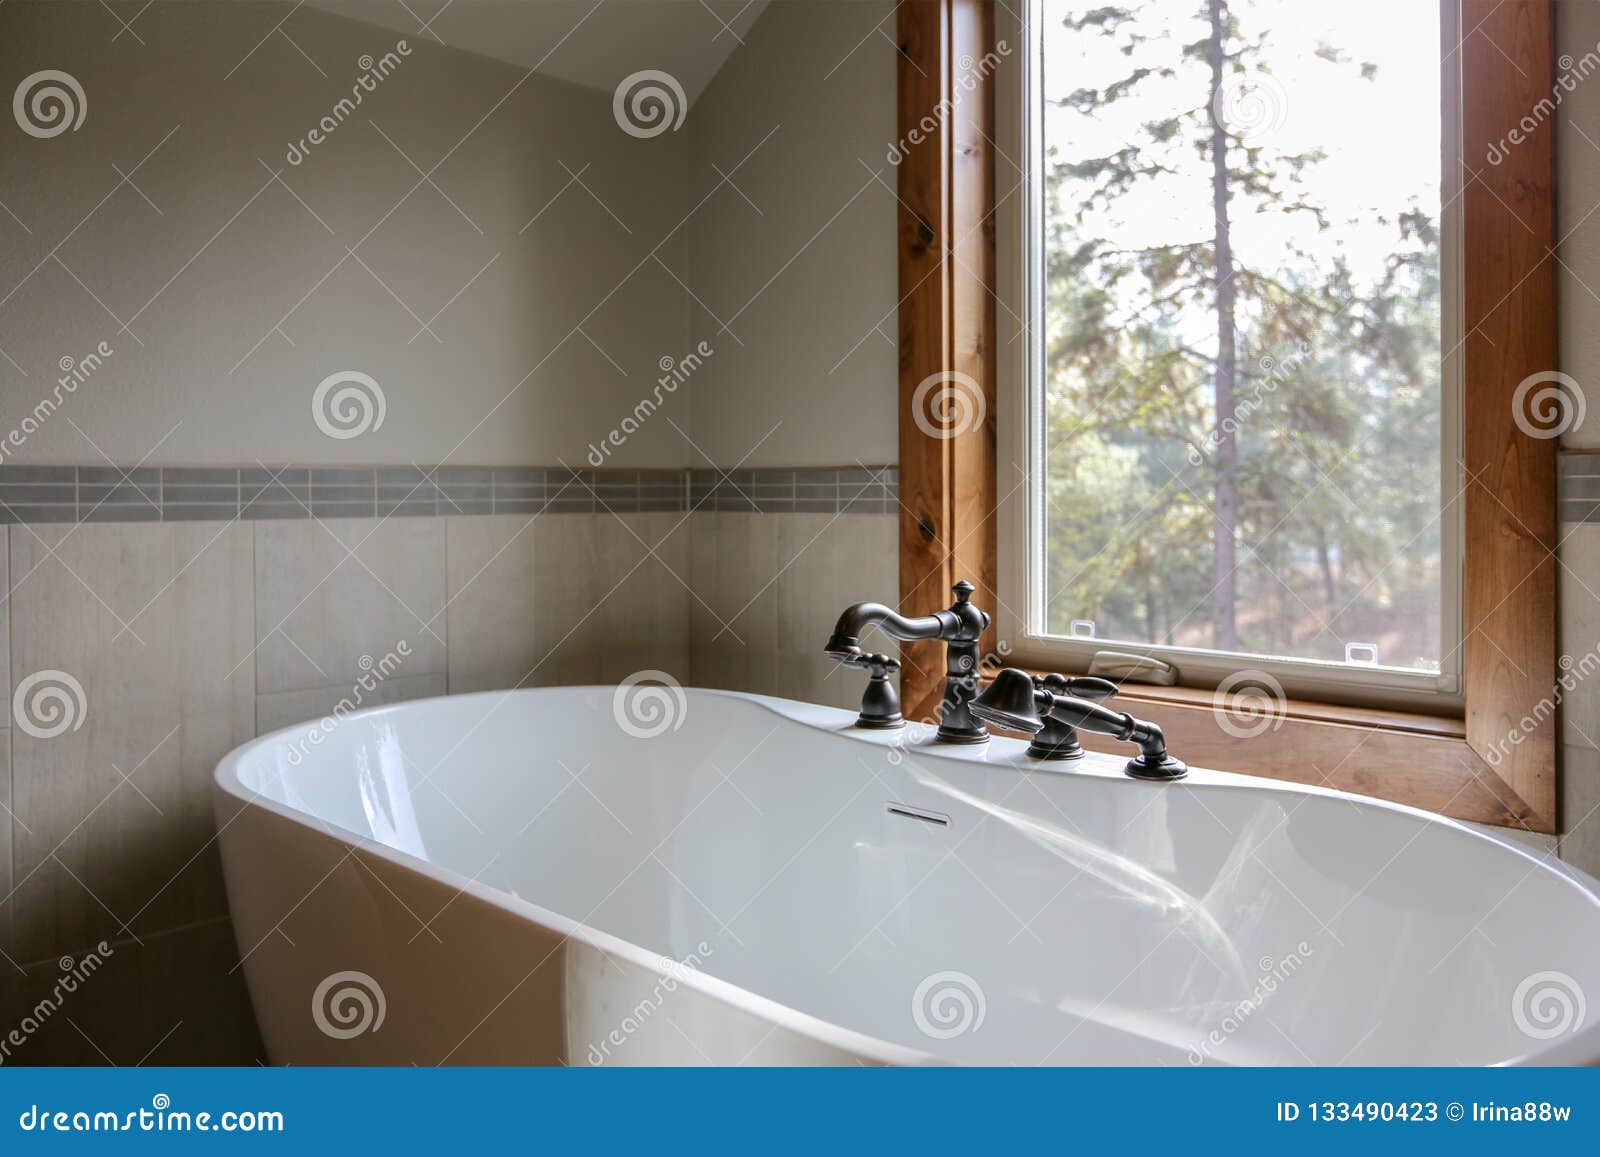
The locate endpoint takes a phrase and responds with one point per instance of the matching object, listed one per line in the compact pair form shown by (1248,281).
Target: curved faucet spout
(958,626)
(845,644)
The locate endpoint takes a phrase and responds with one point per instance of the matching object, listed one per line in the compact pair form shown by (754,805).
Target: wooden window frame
(951,495)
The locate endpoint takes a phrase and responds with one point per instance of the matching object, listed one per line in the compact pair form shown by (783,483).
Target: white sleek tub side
(527,881)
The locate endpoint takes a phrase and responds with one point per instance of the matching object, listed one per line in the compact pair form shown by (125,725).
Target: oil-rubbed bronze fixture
(1014,701)
(1057,739)
(880,702)
(958,628)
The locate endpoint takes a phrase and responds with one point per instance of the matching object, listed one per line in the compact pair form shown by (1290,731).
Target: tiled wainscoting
(45,494)
(1578,585)
(189,636)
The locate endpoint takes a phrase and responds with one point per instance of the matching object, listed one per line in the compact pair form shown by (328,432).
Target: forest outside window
(1243,407)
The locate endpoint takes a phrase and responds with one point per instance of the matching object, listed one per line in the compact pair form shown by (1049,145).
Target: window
(1476,739)
(1242,403)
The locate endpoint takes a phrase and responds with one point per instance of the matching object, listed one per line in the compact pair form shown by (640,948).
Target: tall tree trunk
(1330,585)
(1225,517)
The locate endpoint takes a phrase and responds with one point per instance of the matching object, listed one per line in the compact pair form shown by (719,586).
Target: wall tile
(5,747)
(5,623)
(489,567)
(113,828)
(1578,583)
(575,599)
(772,587)
(566,582)
(559,599)
(175,999)
(733,623)
(7,959)
(320,609)
(1580,808)
(282,708)
(643,595)
(855,557)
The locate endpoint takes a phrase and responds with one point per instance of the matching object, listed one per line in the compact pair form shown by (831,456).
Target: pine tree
(1130,356)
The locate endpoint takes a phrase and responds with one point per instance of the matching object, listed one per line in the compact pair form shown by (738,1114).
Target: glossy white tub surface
(557,876)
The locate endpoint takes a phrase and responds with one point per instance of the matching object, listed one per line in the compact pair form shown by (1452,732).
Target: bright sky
(1382,136)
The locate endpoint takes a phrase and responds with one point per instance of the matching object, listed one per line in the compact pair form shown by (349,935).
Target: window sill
(1423,761)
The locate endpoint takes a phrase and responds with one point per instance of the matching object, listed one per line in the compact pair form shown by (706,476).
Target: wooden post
(947,326)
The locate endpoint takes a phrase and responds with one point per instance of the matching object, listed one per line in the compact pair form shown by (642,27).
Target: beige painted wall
(203,252)
(798,261)
(600,43)
(228,293)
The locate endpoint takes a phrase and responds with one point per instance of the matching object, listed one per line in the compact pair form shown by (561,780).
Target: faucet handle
(1078,686)
(878,666)
(1056,740)
(880,704)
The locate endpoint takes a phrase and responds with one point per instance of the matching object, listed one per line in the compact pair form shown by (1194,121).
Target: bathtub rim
(226,780)
(1581,1048)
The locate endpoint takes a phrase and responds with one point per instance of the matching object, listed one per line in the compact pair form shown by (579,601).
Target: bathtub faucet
(958,628)
(1019,703)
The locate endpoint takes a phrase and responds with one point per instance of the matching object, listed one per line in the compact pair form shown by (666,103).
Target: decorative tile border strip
(852,490)
(37,494)
(1578,487)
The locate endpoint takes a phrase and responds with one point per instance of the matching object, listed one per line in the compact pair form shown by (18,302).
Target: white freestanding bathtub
(645,875)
